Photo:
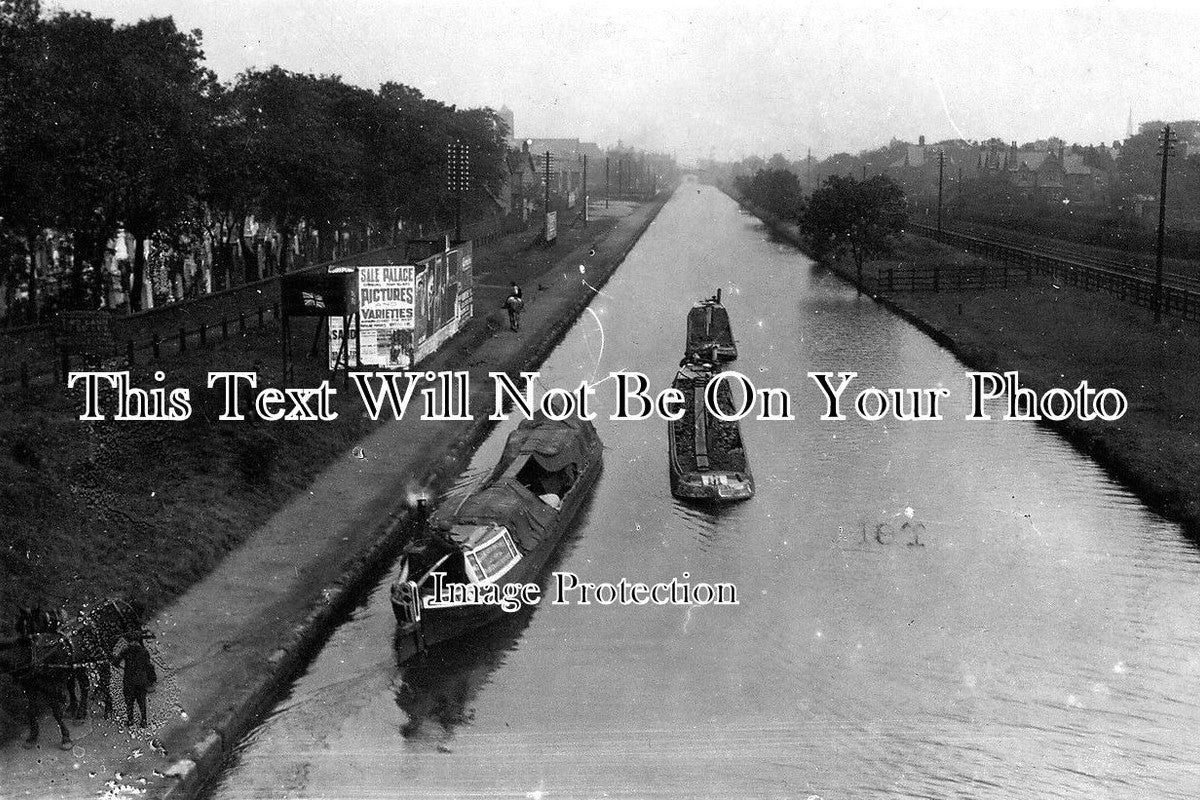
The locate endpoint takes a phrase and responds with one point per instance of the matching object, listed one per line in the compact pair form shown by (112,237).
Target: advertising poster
(385,297)
(852,452)
(382,348)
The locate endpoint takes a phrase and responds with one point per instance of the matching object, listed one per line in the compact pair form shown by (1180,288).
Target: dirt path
(231,640)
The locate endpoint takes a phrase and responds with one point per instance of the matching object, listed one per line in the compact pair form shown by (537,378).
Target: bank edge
(1088,442)
(191,776)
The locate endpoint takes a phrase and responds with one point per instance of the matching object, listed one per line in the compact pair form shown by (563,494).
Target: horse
(48,656)
(40,685)
(80,676)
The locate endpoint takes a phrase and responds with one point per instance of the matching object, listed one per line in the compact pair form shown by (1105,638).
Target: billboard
(407,312)
(381,348)
(385,297)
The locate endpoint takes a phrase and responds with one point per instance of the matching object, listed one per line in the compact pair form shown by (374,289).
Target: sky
(732,79)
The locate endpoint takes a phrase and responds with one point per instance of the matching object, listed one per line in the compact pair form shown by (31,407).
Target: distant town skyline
(703,78)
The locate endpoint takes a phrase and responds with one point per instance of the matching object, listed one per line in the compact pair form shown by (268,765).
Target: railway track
(1064,255)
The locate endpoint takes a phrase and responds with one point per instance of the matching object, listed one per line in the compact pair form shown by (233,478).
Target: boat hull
(731,491)
(443,624)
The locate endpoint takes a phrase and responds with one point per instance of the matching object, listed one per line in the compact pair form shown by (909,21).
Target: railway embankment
(1057,335)
(251,541)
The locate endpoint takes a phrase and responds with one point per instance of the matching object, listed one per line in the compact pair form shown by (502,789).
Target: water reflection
(439,687)
(436,690)
(1042,642)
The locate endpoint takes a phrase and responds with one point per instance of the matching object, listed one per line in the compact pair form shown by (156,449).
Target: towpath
(231,642)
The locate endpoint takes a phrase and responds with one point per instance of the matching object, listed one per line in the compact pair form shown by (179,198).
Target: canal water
(1040,641)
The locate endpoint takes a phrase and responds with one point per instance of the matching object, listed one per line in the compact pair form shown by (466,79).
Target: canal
(1041,640)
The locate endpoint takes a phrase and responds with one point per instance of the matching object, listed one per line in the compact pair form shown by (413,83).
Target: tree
(161,86)
(865,218)
(778,162)
(776,191)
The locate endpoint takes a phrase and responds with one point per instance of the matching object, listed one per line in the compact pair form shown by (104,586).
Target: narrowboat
(470,554)
(708,460)
(708,330)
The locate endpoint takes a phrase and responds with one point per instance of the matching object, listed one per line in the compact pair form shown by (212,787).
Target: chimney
(921,140)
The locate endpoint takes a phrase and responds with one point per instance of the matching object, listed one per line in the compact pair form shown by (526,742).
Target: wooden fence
(1180,297)
(936,278)
(39,355)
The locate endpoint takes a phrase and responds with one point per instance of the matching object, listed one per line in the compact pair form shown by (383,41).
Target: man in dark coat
(139,673)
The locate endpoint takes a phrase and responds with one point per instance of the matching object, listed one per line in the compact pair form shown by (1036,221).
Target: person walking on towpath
(515,306)
(139,673)
(515,291)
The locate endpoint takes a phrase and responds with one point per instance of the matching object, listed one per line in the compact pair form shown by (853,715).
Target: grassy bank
(91,510)
(1057,336)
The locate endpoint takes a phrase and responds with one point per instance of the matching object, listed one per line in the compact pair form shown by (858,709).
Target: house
(567,163)
(524,184)
(1085,181)
(1037,175)
(922,166)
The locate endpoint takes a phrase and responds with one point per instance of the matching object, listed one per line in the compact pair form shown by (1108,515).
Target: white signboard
(386,297)
(381,349)
(551,226)
(338,359)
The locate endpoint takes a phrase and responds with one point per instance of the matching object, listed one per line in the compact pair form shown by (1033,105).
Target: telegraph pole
(585,192)
(620,177)
(458,178)
(1167,144)
(547,182)
(606,181)
(941,171)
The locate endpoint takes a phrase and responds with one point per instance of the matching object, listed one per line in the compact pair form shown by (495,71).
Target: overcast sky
(739,78)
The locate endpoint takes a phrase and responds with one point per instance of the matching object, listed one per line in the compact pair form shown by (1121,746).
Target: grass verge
(1057,336)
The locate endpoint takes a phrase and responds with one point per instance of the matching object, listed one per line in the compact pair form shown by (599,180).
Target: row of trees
(105,126)
(844,215)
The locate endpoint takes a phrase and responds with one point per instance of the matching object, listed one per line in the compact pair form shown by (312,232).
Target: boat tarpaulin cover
(554,444)
(505,502)
(708,324)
